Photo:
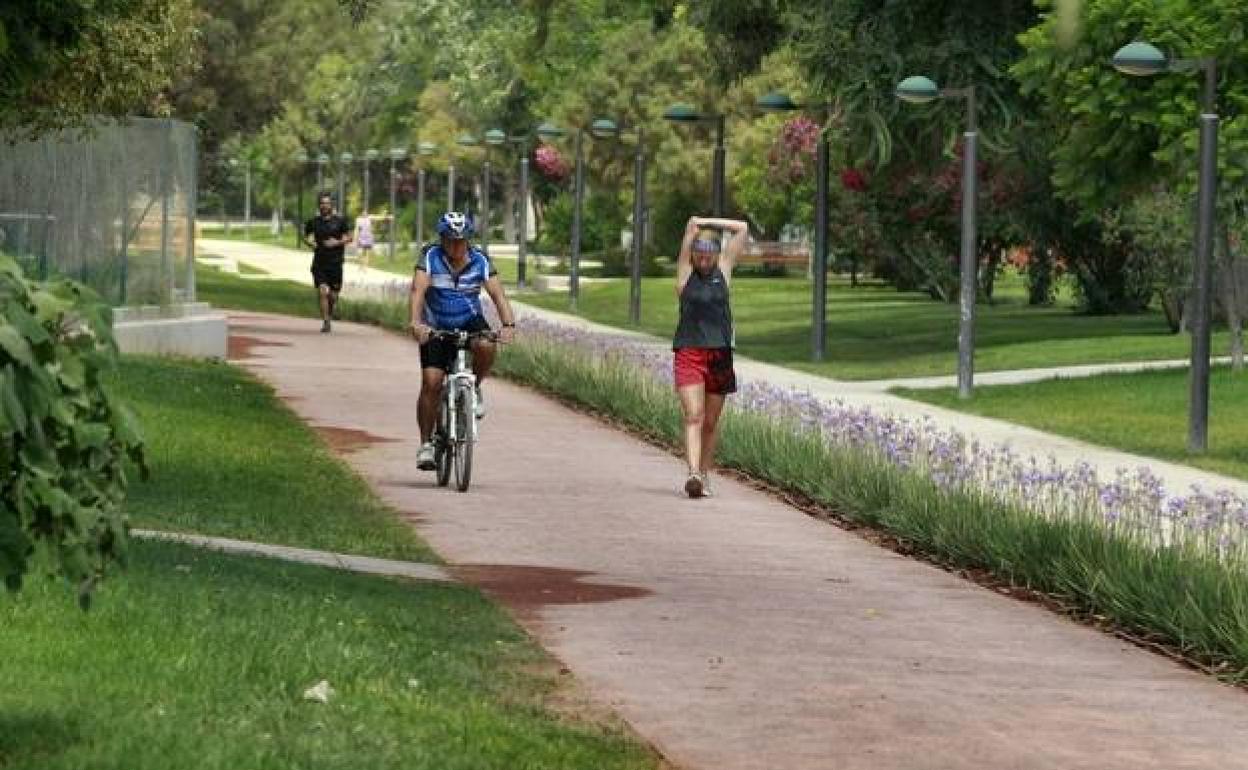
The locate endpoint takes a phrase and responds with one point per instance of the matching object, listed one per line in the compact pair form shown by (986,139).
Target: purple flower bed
(1132,503)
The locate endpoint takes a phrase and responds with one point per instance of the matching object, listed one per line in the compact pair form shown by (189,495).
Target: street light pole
(685,113)
(247,198)
(420,208)
(426,149)
(522,239)
(1198,401)
(578,195)
(781,102)
(396,154)
(1141,58)
(970,256)
(717,169)
(819,295)
(301,158)
(639,229)
(450,185)
(920,90)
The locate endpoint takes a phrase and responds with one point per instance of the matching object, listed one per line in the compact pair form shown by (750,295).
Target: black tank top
(705,317)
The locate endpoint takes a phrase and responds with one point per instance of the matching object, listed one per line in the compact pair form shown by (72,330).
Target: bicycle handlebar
(465,336)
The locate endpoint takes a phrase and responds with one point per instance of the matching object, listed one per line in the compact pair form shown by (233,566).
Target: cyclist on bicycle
(446,296)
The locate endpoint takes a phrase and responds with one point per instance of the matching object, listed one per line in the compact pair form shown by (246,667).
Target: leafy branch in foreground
(64,438)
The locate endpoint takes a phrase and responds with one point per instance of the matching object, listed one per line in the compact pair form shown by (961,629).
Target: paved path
(737,633)
(344,561)
(1026,441)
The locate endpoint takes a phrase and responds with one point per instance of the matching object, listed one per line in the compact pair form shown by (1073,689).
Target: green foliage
(62,61)
(1115,135)
(1156,231)
(64,438)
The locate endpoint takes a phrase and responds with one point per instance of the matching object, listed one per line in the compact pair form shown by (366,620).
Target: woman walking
(364,239)
(704,338)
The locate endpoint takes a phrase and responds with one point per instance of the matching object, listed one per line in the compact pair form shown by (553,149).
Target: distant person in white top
(364,238)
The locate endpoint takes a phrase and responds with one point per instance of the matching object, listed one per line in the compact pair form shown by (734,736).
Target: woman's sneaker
(480,409)
(694,486)
(424,458)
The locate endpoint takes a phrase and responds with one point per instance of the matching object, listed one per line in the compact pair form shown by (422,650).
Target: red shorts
(711,367)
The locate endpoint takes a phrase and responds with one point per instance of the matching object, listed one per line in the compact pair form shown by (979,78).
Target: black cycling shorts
(327,273)
(440,354)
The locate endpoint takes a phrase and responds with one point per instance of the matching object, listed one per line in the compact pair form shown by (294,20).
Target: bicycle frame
(460,379)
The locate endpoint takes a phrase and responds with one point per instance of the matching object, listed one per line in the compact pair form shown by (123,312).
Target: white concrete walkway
(294,265)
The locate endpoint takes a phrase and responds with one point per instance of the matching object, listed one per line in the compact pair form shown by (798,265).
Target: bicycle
(456,429)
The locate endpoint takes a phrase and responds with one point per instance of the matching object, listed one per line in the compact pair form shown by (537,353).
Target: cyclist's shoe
(424,458)
(706,484)
(480,410)
(325,326)
(694,486)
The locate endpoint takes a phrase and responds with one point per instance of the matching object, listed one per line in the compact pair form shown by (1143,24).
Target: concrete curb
(362,564)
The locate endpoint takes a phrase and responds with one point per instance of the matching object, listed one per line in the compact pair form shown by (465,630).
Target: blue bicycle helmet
(455,225)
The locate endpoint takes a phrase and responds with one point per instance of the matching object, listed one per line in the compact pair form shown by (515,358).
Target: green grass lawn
(1145,413)
(230,292)
(192,659)
(195,659)
(229,459)
(876,332)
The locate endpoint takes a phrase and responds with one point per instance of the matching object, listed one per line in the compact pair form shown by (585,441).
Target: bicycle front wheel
(444,449)
(464,437)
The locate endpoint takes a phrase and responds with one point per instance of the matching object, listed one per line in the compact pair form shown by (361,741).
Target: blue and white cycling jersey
(454,299)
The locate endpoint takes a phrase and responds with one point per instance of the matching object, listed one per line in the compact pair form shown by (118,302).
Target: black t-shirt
(323,228)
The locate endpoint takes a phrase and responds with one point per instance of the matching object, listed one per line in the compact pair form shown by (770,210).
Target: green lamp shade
(372,155)
(495,137)
(322,158)
(1140,59)
(682,113)
(427,148)
(776,101)
(467,140)
(301,157)
(549,130)
(346,157)
(917,89)
(398,153)
(604,128)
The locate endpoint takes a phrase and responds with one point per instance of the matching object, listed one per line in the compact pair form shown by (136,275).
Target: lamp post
(426,149)
(344,160)
(493,138)
(605,128)
(321,160)
(521,142)
(918,89)
(781,102)
(301,158)
(246,194)
(685,113)
(396,154)
(1144,59)
(467,140)
(550,132)
(369,157)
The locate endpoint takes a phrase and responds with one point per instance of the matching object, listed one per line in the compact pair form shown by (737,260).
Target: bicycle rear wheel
(464,438)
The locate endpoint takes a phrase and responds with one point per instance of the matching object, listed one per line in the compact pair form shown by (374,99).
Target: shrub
(64,438)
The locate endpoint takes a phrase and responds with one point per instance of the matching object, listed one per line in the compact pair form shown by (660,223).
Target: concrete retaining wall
(190,329)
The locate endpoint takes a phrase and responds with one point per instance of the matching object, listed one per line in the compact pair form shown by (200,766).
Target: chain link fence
(113,207)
